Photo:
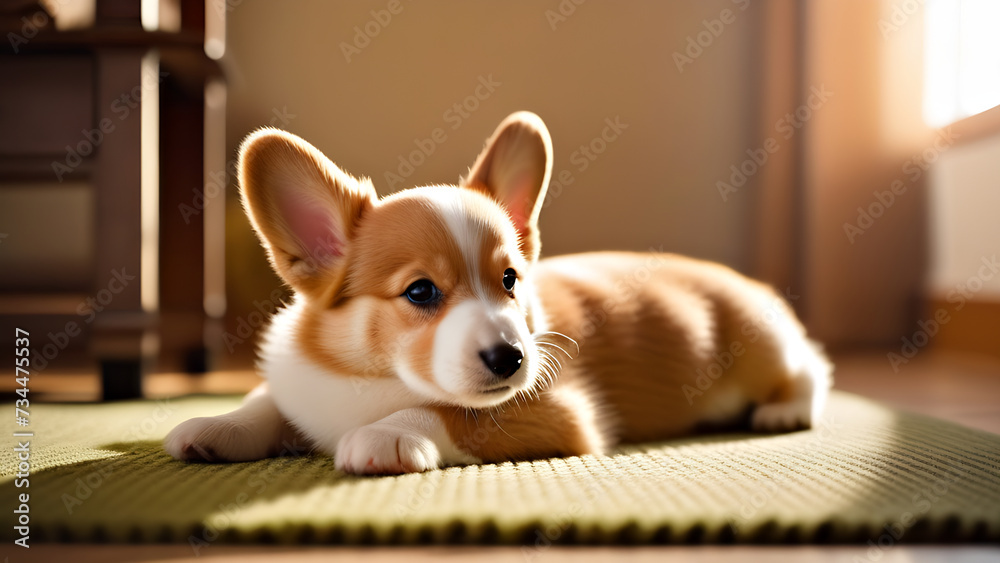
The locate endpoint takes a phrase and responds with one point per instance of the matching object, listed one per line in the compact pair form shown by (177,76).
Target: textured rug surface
(99,473)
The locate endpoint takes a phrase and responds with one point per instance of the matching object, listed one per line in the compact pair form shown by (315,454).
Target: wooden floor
(960,388)
(963,389)
(740,554)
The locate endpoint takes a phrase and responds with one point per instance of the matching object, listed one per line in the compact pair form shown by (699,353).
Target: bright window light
(962,58)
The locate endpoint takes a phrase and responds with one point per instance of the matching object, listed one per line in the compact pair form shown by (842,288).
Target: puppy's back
(669,343)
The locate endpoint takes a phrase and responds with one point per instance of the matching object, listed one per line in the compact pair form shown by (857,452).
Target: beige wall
(653,186)
(656,185)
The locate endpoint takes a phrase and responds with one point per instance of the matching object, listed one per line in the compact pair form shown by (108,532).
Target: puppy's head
(431,285)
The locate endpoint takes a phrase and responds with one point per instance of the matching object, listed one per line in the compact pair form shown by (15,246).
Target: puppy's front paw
(382,449)
(782,417)
(214,439)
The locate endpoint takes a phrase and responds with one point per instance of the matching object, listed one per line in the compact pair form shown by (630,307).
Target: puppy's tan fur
(617,347)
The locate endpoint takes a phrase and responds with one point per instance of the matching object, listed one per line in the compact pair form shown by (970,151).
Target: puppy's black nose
(502,359)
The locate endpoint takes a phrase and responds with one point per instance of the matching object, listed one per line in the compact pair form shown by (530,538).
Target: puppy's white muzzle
(482,353)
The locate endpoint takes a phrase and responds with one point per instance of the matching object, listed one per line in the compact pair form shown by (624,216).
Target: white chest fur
(323,405)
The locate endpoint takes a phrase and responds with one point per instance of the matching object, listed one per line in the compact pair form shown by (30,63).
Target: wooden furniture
(109,136)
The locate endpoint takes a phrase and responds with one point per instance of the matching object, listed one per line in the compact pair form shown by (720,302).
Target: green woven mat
(98,473)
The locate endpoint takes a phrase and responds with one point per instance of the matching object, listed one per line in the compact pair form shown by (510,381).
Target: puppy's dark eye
(509,277)
(422,292)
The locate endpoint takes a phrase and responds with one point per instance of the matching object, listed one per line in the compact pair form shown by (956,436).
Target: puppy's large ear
(515,168)
(302,206)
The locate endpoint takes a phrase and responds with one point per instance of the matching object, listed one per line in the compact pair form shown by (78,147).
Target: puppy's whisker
(554,333)
(547,371)
(501,428)
(556,346)
(549,358)
(558,364)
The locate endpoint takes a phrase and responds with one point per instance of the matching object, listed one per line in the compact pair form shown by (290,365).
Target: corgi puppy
(424,330)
